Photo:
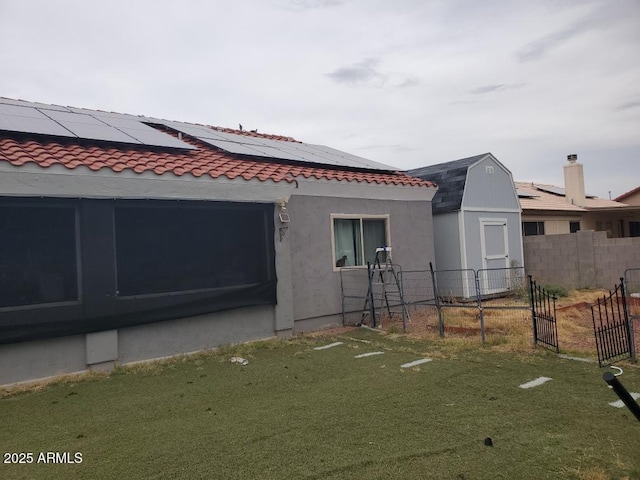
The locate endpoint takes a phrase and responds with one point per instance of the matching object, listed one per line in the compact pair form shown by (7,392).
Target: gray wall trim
(59,181)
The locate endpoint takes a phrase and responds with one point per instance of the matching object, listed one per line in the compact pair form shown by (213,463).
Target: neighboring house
(550,210)
(125,238)
(632,197)
(476,214)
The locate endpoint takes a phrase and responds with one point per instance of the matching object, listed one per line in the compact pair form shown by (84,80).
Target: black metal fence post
(627,312)
(480,309)
(437,300)
(372,307)
(533,310)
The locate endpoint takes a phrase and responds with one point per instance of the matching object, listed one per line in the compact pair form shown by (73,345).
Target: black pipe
(622,392)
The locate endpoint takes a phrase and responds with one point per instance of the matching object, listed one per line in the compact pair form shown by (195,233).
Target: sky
(408,83)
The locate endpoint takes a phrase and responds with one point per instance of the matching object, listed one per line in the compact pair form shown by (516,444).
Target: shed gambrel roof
(450,178)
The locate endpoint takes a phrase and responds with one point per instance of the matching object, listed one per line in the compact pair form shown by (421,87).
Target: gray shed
(476,214)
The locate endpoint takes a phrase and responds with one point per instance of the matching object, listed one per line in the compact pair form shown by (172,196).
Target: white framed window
(354,238)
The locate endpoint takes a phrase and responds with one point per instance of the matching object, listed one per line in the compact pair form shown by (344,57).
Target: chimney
(574,181)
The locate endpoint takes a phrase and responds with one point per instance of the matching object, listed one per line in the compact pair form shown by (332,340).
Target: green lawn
(295,412)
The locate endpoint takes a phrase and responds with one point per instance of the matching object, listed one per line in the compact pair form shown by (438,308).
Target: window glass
(348,243)
(169,249)
(532,228)
(38,260)
(375,236)
(356,240)
(574,227)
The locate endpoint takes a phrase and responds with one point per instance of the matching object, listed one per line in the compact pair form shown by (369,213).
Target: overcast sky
(405,82)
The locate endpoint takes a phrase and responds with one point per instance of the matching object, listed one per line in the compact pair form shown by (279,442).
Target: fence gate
(612,327)
(543,311)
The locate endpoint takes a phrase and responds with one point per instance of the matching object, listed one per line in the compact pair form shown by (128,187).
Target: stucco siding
(194,334)
(46,358)
(316,283)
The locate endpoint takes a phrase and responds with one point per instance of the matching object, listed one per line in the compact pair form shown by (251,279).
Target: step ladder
(384,291)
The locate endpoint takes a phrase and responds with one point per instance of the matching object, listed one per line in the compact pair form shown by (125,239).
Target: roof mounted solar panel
(234,137)
(23,103)
(88,127)
(559,190)
(524,193)
(25,119)
(551,189)
(197,131)
(233,147)
(144,133)
(270,148)
(348,159)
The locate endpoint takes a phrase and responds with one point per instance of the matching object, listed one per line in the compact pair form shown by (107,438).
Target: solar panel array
(28,117)
(280,149)
(558,190)
(525,193)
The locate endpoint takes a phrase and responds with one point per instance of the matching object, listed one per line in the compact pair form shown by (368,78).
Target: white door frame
(500,222)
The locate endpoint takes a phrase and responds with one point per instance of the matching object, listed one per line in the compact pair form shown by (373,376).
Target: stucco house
(631,197)
(476,215)
(126,238)
(550,209)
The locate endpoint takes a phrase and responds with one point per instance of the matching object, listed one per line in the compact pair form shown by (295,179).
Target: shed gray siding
(489,190)
(446,227)
(316,284)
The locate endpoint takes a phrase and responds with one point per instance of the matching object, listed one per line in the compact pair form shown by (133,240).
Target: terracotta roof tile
(206,160)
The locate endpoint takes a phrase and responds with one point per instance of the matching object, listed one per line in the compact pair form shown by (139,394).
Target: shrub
(557,290)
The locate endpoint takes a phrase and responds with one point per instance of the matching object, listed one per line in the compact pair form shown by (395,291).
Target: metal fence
(354,285)
(485,305)
(632,291)
(543,310)
(612,327)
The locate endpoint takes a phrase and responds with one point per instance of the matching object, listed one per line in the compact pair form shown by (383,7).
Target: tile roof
(624,196)
(549,201)
(46,151)
(451,178)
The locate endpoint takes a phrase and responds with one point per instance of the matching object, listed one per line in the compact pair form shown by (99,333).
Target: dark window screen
(177,249)
(574,227)
(532,228)
(38,260)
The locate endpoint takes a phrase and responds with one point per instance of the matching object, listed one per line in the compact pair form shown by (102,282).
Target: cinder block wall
(585,259)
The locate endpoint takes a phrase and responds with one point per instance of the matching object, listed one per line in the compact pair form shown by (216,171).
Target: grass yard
(300,413)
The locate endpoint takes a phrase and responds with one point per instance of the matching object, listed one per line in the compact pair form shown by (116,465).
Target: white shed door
(494,241)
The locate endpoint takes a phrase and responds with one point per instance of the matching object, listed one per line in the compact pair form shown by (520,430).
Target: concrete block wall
(584,259)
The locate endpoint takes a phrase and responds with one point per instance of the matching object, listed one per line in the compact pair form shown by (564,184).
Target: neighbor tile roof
(451,178)
(554,202)
(45,151)
(624,196)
